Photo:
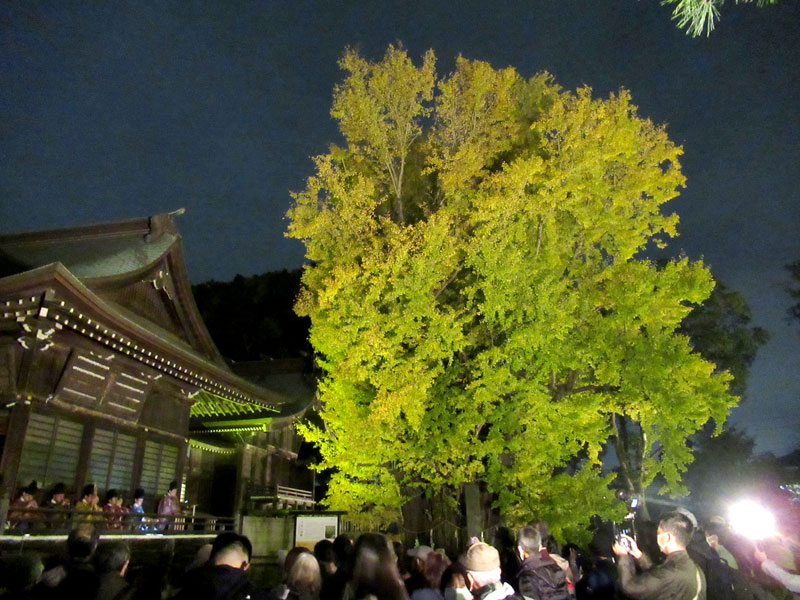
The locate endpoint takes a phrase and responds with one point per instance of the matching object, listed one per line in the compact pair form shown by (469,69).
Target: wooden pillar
(82,470)
(243,466)
(180,464)
(268,474)
(12,453)
(240,490)
(472,504)
(138,459)
(193,470)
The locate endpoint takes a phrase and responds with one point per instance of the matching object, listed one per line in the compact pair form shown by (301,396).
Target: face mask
(457,594)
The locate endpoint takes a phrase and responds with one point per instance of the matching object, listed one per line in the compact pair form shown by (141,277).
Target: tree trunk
(629,446)
(447,533)
(416,522)
(474,510)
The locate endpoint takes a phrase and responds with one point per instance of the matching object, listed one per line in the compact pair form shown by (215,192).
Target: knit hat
(482,557)
(420,552)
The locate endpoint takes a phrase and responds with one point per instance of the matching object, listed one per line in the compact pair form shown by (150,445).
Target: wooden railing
(279,494)
(49,521)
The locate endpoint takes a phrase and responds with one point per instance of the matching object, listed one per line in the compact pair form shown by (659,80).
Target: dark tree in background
(794,289)
(723,468)
(252,318)
(720,330)
(726,468)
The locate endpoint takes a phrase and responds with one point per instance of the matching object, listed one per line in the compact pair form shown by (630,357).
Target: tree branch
(450,280)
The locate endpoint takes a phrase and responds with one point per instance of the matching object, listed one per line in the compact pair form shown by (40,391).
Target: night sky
(118,110)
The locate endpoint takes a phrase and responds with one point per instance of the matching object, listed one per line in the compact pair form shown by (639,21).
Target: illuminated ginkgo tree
(478,302)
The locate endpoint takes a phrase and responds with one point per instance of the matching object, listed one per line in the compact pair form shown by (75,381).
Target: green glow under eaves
(263,422)
(211,447)
(209,404)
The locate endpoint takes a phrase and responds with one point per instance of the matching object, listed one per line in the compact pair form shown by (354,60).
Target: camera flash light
(752,520)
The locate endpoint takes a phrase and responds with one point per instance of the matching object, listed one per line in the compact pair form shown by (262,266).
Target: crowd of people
(528,565)
(26,514)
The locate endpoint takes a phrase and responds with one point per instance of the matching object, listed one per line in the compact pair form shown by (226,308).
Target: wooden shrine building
(108,374)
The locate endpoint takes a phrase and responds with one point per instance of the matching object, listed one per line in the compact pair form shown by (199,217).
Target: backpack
(719,579)
(550,581)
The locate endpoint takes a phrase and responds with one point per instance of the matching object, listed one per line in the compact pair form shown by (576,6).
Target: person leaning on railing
(58,506)
(20,519)
(168,507)
(136,510)
(88,509)
(114,510)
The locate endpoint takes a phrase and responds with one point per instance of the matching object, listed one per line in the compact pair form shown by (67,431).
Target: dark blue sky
(119,110)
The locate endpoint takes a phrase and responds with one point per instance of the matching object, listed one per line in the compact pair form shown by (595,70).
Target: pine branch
(697,16)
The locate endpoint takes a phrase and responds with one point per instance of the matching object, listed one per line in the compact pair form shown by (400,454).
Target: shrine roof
(107,270)
(92,251)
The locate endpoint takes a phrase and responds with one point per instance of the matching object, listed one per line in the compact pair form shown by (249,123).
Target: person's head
(454,578)
(173,488)
(715,531)
(112,557)
(89,493)
(58,492)
(688,514)
(323,552)
(291,558)
(503,538)
(433,568)
(201,557)
(232,550)
(343,549)
(29,491)
(138,496)
(417,556)
(375,569)
(601,543)
(674,532)
(548,541)
(529,542)
(543,528)
(21,572)
(82,542)
(304,577)
(402,559)
(482,562)
(112,496)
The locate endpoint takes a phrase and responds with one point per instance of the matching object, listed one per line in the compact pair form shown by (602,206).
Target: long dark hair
(375,569)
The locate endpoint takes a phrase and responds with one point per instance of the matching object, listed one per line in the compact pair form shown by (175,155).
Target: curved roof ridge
(106,254)
(107,316)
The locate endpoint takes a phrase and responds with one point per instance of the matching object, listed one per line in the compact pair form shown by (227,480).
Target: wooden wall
(75,449)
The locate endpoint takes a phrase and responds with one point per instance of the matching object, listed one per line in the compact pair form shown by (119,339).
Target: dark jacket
(540,578)
(219,582)
(114,587)
(599,581)
(81,581)
(677,578)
